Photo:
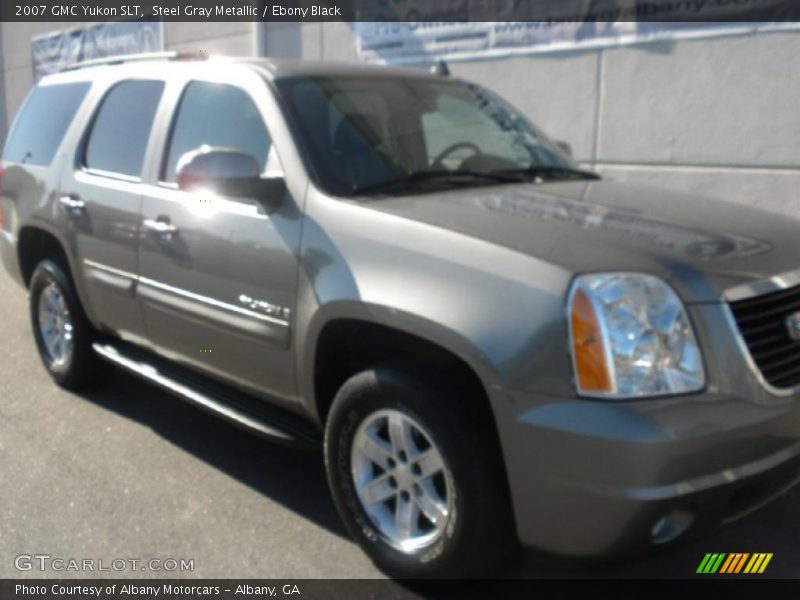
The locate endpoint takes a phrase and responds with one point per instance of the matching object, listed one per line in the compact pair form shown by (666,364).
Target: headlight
(631,337)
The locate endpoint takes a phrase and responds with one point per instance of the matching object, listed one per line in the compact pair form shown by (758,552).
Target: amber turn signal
(588,351)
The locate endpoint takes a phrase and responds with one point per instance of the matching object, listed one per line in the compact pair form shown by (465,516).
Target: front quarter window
(217,114)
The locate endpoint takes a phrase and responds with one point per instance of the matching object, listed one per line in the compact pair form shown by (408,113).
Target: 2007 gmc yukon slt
(491,344)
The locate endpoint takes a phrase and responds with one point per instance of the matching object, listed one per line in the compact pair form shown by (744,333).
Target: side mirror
(565,148)
(229,172)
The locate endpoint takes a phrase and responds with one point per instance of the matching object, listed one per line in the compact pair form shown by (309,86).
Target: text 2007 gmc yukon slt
(492,345)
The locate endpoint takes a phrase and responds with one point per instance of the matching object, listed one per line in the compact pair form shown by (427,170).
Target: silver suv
(491,344)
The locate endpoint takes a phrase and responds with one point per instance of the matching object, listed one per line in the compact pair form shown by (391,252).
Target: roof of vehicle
(272,68)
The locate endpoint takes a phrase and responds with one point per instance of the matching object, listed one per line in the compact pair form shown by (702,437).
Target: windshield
(368,134)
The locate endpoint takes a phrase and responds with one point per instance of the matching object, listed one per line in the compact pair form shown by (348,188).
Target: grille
(762,323)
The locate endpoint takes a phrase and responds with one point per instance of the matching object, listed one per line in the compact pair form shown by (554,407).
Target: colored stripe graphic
(754,563)
(723,563)
(758,563)
(711,562)
(734,563)
(703,563)
(765,563)
(741,562)
(732,558)
(717,564)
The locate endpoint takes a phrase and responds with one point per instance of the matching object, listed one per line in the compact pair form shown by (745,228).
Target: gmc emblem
(793,325)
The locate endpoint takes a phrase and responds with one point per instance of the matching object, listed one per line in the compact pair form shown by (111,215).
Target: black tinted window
(42,122)
(122,127)
(216,114)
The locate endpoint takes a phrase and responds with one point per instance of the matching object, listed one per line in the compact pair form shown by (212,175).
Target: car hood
(702,246)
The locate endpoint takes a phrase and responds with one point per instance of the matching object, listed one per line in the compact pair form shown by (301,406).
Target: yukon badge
(793,325)
(264,307)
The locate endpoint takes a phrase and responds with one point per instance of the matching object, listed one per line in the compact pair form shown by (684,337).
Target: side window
(216,114)
(122,127)
(42,123)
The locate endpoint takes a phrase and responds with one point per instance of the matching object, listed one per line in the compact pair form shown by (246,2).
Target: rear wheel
(417,477)
(61,330)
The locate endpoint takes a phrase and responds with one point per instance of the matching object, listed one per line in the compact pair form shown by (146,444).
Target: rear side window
(122,127)
(216,114)
(42,123)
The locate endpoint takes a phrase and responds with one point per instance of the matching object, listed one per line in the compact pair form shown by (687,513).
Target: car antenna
(441,69)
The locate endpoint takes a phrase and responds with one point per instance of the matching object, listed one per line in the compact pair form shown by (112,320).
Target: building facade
(713,115)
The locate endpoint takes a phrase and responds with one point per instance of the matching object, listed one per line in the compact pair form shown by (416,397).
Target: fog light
(670,526)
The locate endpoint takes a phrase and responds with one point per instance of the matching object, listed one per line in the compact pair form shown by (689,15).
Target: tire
(79,366)
(477,533)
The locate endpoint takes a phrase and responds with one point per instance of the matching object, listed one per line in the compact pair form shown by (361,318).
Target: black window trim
(173,119)
(87,132)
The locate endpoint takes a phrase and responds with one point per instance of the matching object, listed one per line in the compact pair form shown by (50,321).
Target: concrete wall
(234,39)
(717,116)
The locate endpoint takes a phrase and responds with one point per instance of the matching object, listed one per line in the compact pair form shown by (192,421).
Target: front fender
(500,311)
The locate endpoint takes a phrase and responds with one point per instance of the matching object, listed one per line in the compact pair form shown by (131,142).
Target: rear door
(102,194)
(219,274)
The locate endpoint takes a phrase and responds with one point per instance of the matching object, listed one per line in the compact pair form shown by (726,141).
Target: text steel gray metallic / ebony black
(491,344)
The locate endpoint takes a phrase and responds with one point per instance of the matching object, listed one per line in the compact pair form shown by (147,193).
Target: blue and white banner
(421,41)
(55,51)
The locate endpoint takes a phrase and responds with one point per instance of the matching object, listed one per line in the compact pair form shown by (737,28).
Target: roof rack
(125,58)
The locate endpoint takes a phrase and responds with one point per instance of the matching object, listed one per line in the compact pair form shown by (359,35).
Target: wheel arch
(38,241)
(348,337)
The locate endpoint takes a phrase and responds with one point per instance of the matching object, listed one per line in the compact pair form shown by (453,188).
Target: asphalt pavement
(129,472)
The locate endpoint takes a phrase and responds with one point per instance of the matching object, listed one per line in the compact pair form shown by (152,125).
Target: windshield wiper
(550,172)
(447,176)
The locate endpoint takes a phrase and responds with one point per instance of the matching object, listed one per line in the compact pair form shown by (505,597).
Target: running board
(239,408)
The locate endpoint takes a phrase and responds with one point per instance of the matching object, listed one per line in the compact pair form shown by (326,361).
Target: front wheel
(417,477)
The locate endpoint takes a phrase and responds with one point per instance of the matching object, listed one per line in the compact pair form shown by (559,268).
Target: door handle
(72,202)
(160,226)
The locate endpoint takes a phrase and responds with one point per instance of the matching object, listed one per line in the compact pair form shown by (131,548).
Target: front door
(218,275)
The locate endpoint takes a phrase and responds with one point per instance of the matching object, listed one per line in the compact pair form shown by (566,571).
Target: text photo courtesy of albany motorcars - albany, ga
(471,299)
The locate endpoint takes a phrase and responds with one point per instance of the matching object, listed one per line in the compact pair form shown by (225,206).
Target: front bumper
(602,479)
(592,478)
